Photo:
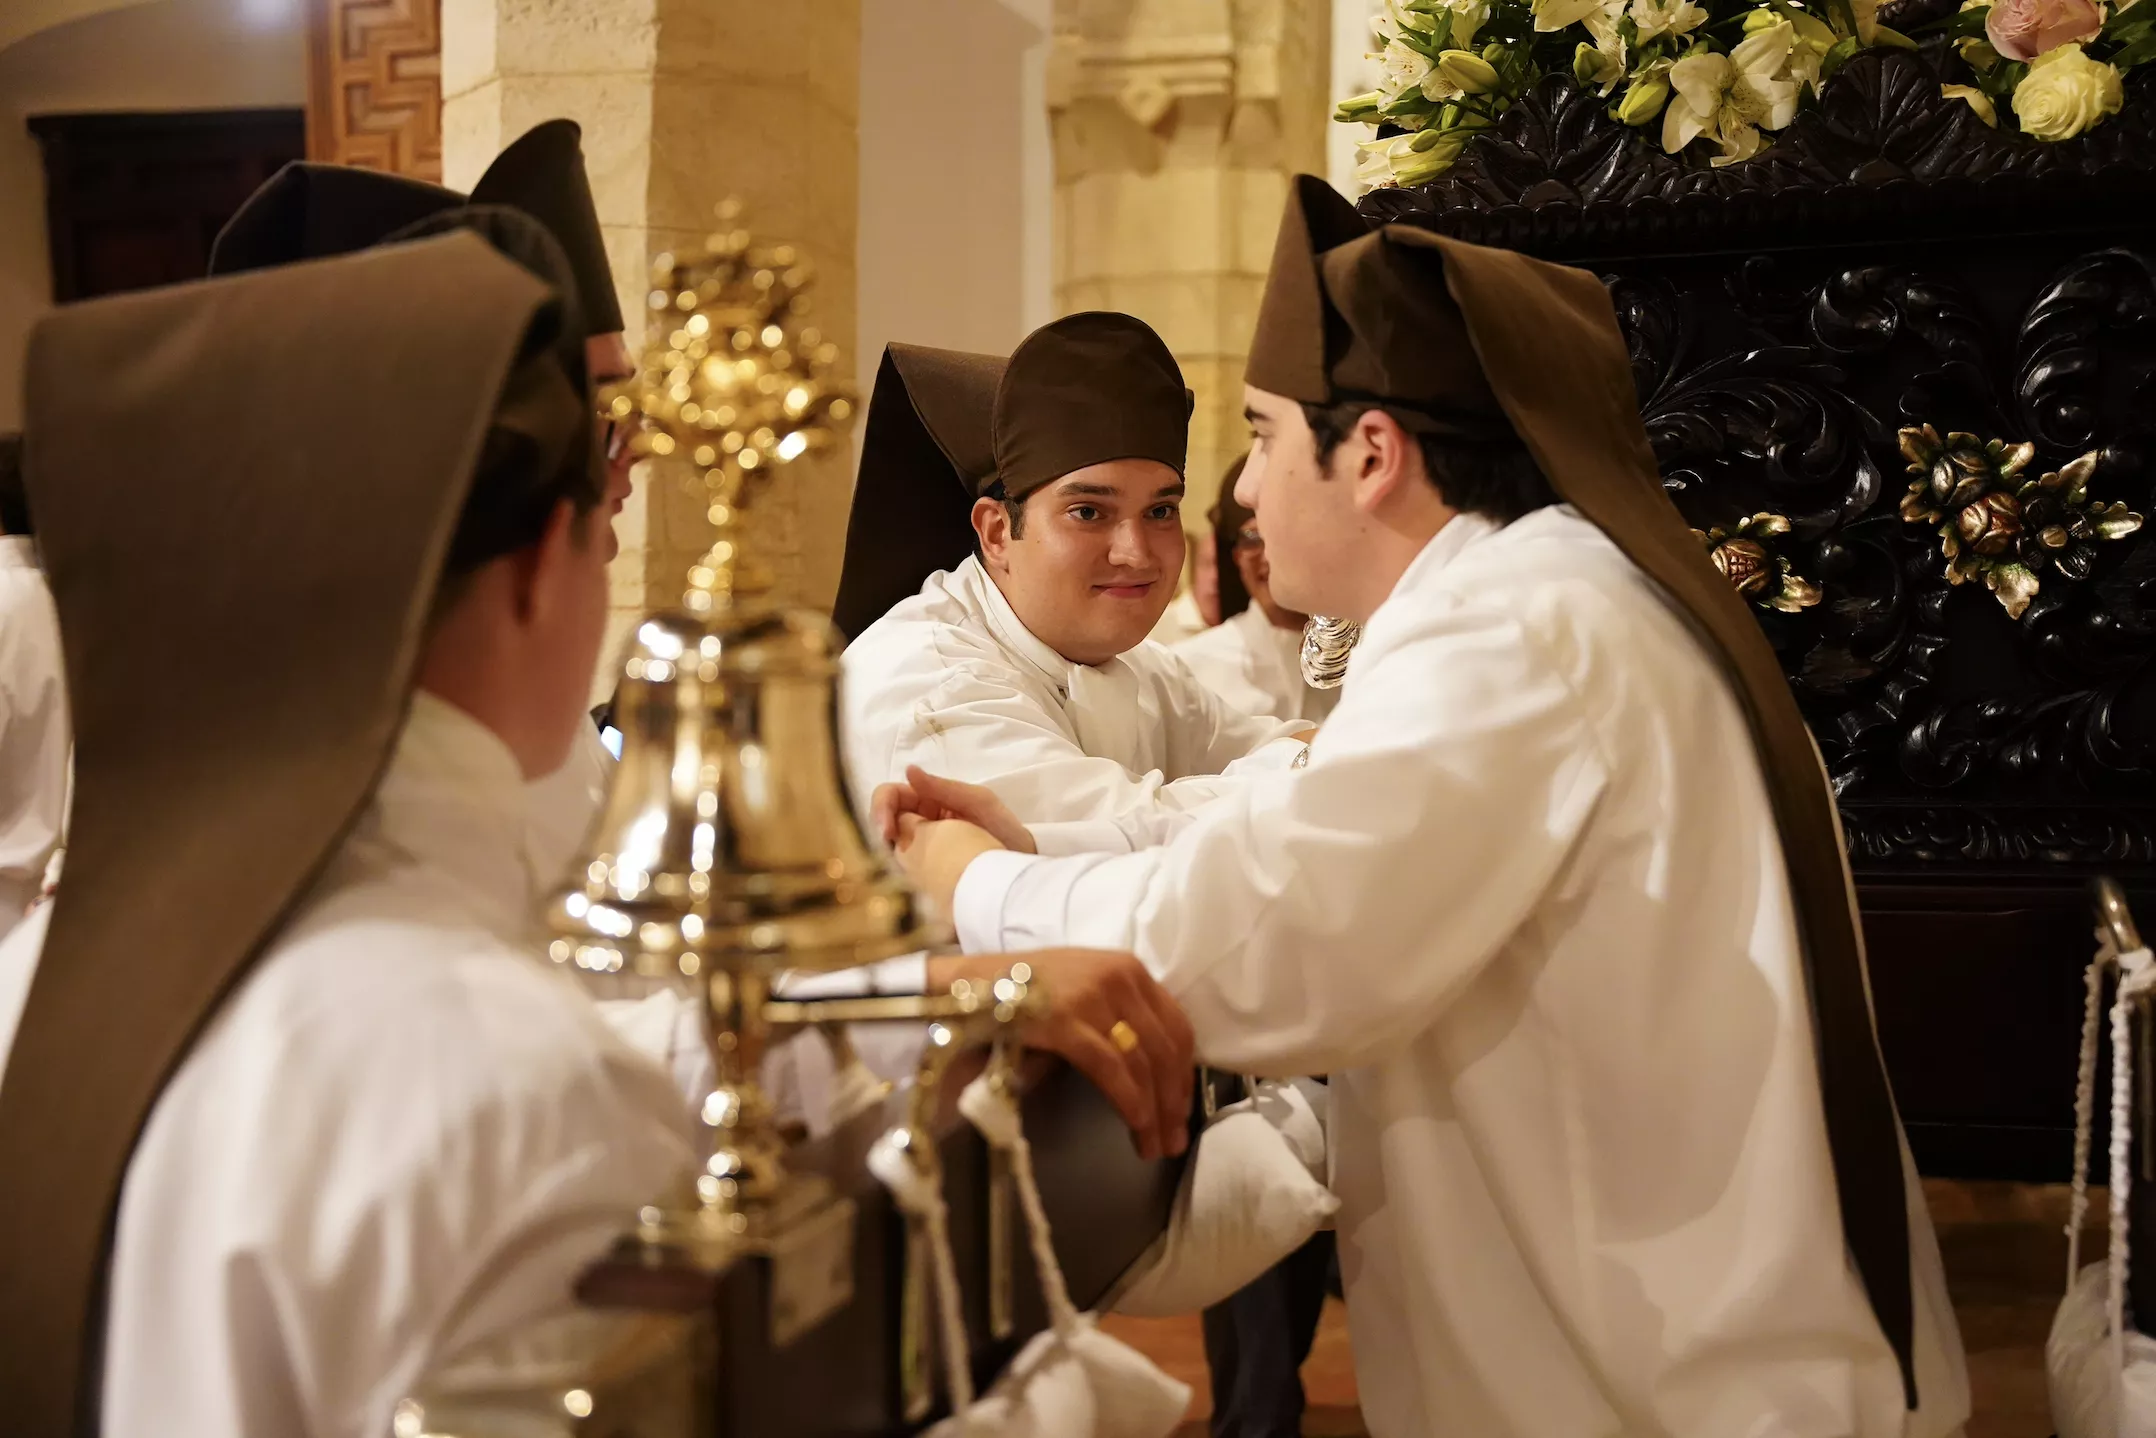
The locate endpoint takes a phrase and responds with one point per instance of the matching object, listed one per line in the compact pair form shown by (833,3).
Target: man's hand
(935,852)
(929,797)
(1092,995)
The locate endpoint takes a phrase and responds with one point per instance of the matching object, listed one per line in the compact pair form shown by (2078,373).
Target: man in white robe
(294,1112)
(1016,533)
(400,1135)
(33,704)
(1559,900)
(1253,657)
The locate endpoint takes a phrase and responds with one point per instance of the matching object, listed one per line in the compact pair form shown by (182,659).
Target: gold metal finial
(734,384)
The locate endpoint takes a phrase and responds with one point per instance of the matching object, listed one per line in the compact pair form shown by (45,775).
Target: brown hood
(309,211)
(944,426)
(244,520)
(1466,334)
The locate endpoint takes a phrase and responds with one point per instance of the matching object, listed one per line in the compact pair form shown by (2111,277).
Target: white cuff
(1079,836)
(906,974)
(977,904)
(1273,756)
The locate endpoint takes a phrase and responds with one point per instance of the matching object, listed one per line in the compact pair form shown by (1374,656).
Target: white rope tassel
(2077,1213)
(2136,977)
(989,1107)
(921,1196)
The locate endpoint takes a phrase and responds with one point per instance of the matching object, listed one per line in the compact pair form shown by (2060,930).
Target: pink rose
(2025,29)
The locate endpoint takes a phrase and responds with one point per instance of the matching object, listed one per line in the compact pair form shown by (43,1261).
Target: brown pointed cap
(309,211)
(241,609)
(1083,390)
(1350,313)
(543,175)
(1547,344)
(925,456)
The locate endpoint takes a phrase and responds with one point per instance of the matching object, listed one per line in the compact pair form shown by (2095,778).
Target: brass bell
(726,852)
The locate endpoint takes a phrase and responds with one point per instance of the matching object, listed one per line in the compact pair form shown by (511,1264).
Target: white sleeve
(1316,921)
(978,729)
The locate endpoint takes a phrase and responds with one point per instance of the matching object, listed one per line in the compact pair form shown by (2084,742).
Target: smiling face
(1095,560)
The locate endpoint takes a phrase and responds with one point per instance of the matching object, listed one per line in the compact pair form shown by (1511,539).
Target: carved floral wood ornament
(1999,529)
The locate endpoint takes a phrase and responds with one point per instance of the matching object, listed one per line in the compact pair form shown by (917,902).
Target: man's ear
(992,527)
(1379,458)
(535,570)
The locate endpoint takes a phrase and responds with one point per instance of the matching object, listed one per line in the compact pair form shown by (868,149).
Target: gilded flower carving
(1999,528)
(1746,556)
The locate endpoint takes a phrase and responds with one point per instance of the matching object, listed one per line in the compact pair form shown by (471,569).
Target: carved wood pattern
(1786,318)
(374,85)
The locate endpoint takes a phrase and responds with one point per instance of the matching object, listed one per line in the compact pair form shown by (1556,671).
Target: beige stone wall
(684,103)
(1177,124)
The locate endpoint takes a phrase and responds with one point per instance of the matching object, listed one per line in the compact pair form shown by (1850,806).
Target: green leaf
(2138,52)
(1967,24)
(1843,17)
(1840,55)
(2123,22)
(1888,36)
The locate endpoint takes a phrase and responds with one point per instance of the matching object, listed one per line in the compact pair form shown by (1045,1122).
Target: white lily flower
(1468,17)
(1374,161)
(1730,98)
(1607,62)
(1404,66)
(1814,37)
(1556,14)
(1666,17)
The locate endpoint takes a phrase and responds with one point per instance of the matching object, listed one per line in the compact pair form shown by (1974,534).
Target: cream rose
(2065,92)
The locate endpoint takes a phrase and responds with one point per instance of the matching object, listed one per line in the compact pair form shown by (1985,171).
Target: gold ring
(1123,1036)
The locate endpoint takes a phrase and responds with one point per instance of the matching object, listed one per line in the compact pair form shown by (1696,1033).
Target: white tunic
(1528,907)
(398,1141)
(1110,756)
(33,728)
(1256,666)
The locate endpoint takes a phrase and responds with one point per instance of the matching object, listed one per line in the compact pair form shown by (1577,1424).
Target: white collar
(1442,549)
(984,595)
(18,551)
(453,798)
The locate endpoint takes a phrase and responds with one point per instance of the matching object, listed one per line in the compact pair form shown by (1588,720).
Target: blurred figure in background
(33,703)
(1252,655)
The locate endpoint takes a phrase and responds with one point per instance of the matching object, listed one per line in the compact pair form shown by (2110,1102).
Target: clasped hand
(1107,1016)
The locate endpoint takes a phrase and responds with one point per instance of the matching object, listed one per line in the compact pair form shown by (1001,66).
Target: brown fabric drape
(245,491)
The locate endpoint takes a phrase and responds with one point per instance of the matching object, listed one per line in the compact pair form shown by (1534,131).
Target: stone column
(1177,124)
(684,103)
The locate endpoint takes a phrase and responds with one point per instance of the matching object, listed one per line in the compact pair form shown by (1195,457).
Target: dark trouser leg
(1256,1342)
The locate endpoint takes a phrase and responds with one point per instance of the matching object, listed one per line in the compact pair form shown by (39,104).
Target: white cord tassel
(992,1110)
(921,1196)
(2136,977)
(2077,1212)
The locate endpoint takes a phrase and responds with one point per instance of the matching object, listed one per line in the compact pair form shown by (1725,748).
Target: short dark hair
(1013,509)
(1497,478)
(14,497)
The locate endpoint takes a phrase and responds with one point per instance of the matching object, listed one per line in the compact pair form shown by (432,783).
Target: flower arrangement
(1724,73)
(1999,529)
(2056,67)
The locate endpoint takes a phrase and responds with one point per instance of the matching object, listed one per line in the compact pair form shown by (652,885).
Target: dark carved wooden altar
(1892,262)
